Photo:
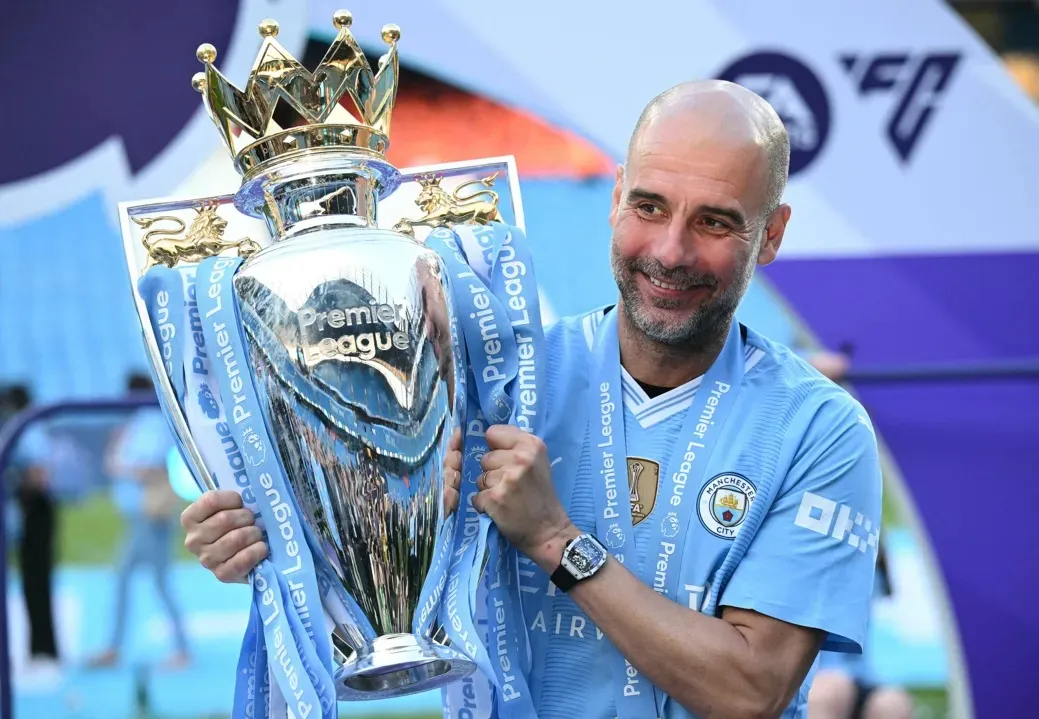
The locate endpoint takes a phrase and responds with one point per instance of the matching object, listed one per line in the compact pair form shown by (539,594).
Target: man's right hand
(223,535)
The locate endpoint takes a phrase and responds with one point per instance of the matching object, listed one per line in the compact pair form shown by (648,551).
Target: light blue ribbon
(635,696)
(500,323)
(298,648)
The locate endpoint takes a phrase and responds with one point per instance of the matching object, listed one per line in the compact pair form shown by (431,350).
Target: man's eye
(647,208)
(714,223)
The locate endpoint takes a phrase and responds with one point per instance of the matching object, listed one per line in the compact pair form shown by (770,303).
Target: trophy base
(396,665)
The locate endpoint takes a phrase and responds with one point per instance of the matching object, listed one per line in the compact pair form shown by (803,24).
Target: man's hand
(453,472)
(516,490)
(223,535)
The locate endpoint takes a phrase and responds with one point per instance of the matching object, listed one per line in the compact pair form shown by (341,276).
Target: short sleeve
(812,561)
(146,442)
(32,448)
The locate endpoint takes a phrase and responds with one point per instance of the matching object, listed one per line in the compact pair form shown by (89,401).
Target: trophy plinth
(398,664)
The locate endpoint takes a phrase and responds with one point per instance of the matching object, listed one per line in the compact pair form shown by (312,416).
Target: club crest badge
(643,480)
(724,503)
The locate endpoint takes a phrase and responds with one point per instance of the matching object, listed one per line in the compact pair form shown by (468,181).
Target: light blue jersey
(785,521)
(145,444)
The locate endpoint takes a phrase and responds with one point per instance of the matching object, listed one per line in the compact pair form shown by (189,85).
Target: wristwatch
(583,556)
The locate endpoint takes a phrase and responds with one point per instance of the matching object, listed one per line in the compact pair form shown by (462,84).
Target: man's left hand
(516,490)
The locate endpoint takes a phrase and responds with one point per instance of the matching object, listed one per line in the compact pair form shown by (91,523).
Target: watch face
(586,555)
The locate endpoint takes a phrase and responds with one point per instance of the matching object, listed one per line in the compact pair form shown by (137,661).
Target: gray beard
(700,329)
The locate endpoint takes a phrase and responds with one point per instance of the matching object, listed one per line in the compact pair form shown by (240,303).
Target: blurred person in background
(29,478)
(846,686)
(136,460)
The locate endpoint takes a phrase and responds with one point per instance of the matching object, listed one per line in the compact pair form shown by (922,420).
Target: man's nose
(676,248)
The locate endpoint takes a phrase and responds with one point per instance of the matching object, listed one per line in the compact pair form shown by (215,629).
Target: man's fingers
(209,504)
(237,568)
(487,501)
(453,479)
(230,544)
(489,480)
(503,436)
(455,444)
(216,527)
(452,488)
(453,461)
(495,459)
(451,497)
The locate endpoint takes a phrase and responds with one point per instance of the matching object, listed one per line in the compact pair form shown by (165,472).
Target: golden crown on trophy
(342,104)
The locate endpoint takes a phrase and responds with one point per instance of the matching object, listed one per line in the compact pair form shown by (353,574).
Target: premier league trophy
(319,351)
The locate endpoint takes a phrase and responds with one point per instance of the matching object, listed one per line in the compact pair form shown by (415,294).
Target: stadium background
(68,330)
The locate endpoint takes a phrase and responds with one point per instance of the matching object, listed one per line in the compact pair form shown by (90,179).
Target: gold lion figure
(445,209)
(204,238)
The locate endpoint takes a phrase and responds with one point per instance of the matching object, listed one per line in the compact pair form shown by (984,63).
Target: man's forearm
(704,663)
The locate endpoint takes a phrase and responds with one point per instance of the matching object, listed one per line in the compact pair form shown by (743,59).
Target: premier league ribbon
(286,586)
(285,660)
(286,654)
(715,396)
(497,306)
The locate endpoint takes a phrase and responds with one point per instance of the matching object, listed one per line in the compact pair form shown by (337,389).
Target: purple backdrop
(969,450)
(82,73)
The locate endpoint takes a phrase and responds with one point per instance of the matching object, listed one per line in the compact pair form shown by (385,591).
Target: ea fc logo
(797,96)
(724,503)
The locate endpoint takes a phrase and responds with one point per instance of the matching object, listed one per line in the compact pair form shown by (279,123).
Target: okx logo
(916,82)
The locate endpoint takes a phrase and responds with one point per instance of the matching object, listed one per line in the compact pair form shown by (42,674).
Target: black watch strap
(563,579)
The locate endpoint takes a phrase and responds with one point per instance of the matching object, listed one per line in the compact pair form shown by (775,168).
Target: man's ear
(618,192)
(774,231)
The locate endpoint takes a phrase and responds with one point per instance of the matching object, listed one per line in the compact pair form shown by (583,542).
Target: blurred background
(907,275)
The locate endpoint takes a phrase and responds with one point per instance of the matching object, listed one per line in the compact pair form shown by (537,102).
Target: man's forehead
(694,133)
(682,165)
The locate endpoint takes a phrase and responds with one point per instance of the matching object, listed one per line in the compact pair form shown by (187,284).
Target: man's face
(688,231)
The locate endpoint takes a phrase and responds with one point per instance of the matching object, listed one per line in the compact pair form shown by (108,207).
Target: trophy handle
(163,387)
(170,407)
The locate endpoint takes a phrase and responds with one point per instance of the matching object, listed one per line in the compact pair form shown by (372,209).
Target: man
(33,482)
(764,548)
(136,462)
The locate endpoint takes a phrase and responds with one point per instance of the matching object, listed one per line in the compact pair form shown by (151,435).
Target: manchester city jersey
(785,520)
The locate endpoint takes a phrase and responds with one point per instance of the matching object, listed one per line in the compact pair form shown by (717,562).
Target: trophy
(347,324)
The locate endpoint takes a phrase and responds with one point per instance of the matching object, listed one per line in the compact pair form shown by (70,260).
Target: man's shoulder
(568,343)
(578,329)
(782,369)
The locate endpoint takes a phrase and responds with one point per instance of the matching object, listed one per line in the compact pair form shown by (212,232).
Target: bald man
(746,540)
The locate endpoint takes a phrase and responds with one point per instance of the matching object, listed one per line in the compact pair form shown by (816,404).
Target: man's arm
(798,582)
(741,665)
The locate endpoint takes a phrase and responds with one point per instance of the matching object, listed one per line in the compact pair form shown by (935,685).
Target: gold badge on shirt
(643,476)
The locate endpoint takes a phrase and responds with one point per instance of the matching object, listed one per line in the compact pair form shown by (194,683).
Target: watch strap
(563,579)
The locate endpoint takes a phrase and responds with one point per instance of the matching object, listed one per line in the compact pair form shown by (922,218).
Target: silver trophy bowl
(348,328)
